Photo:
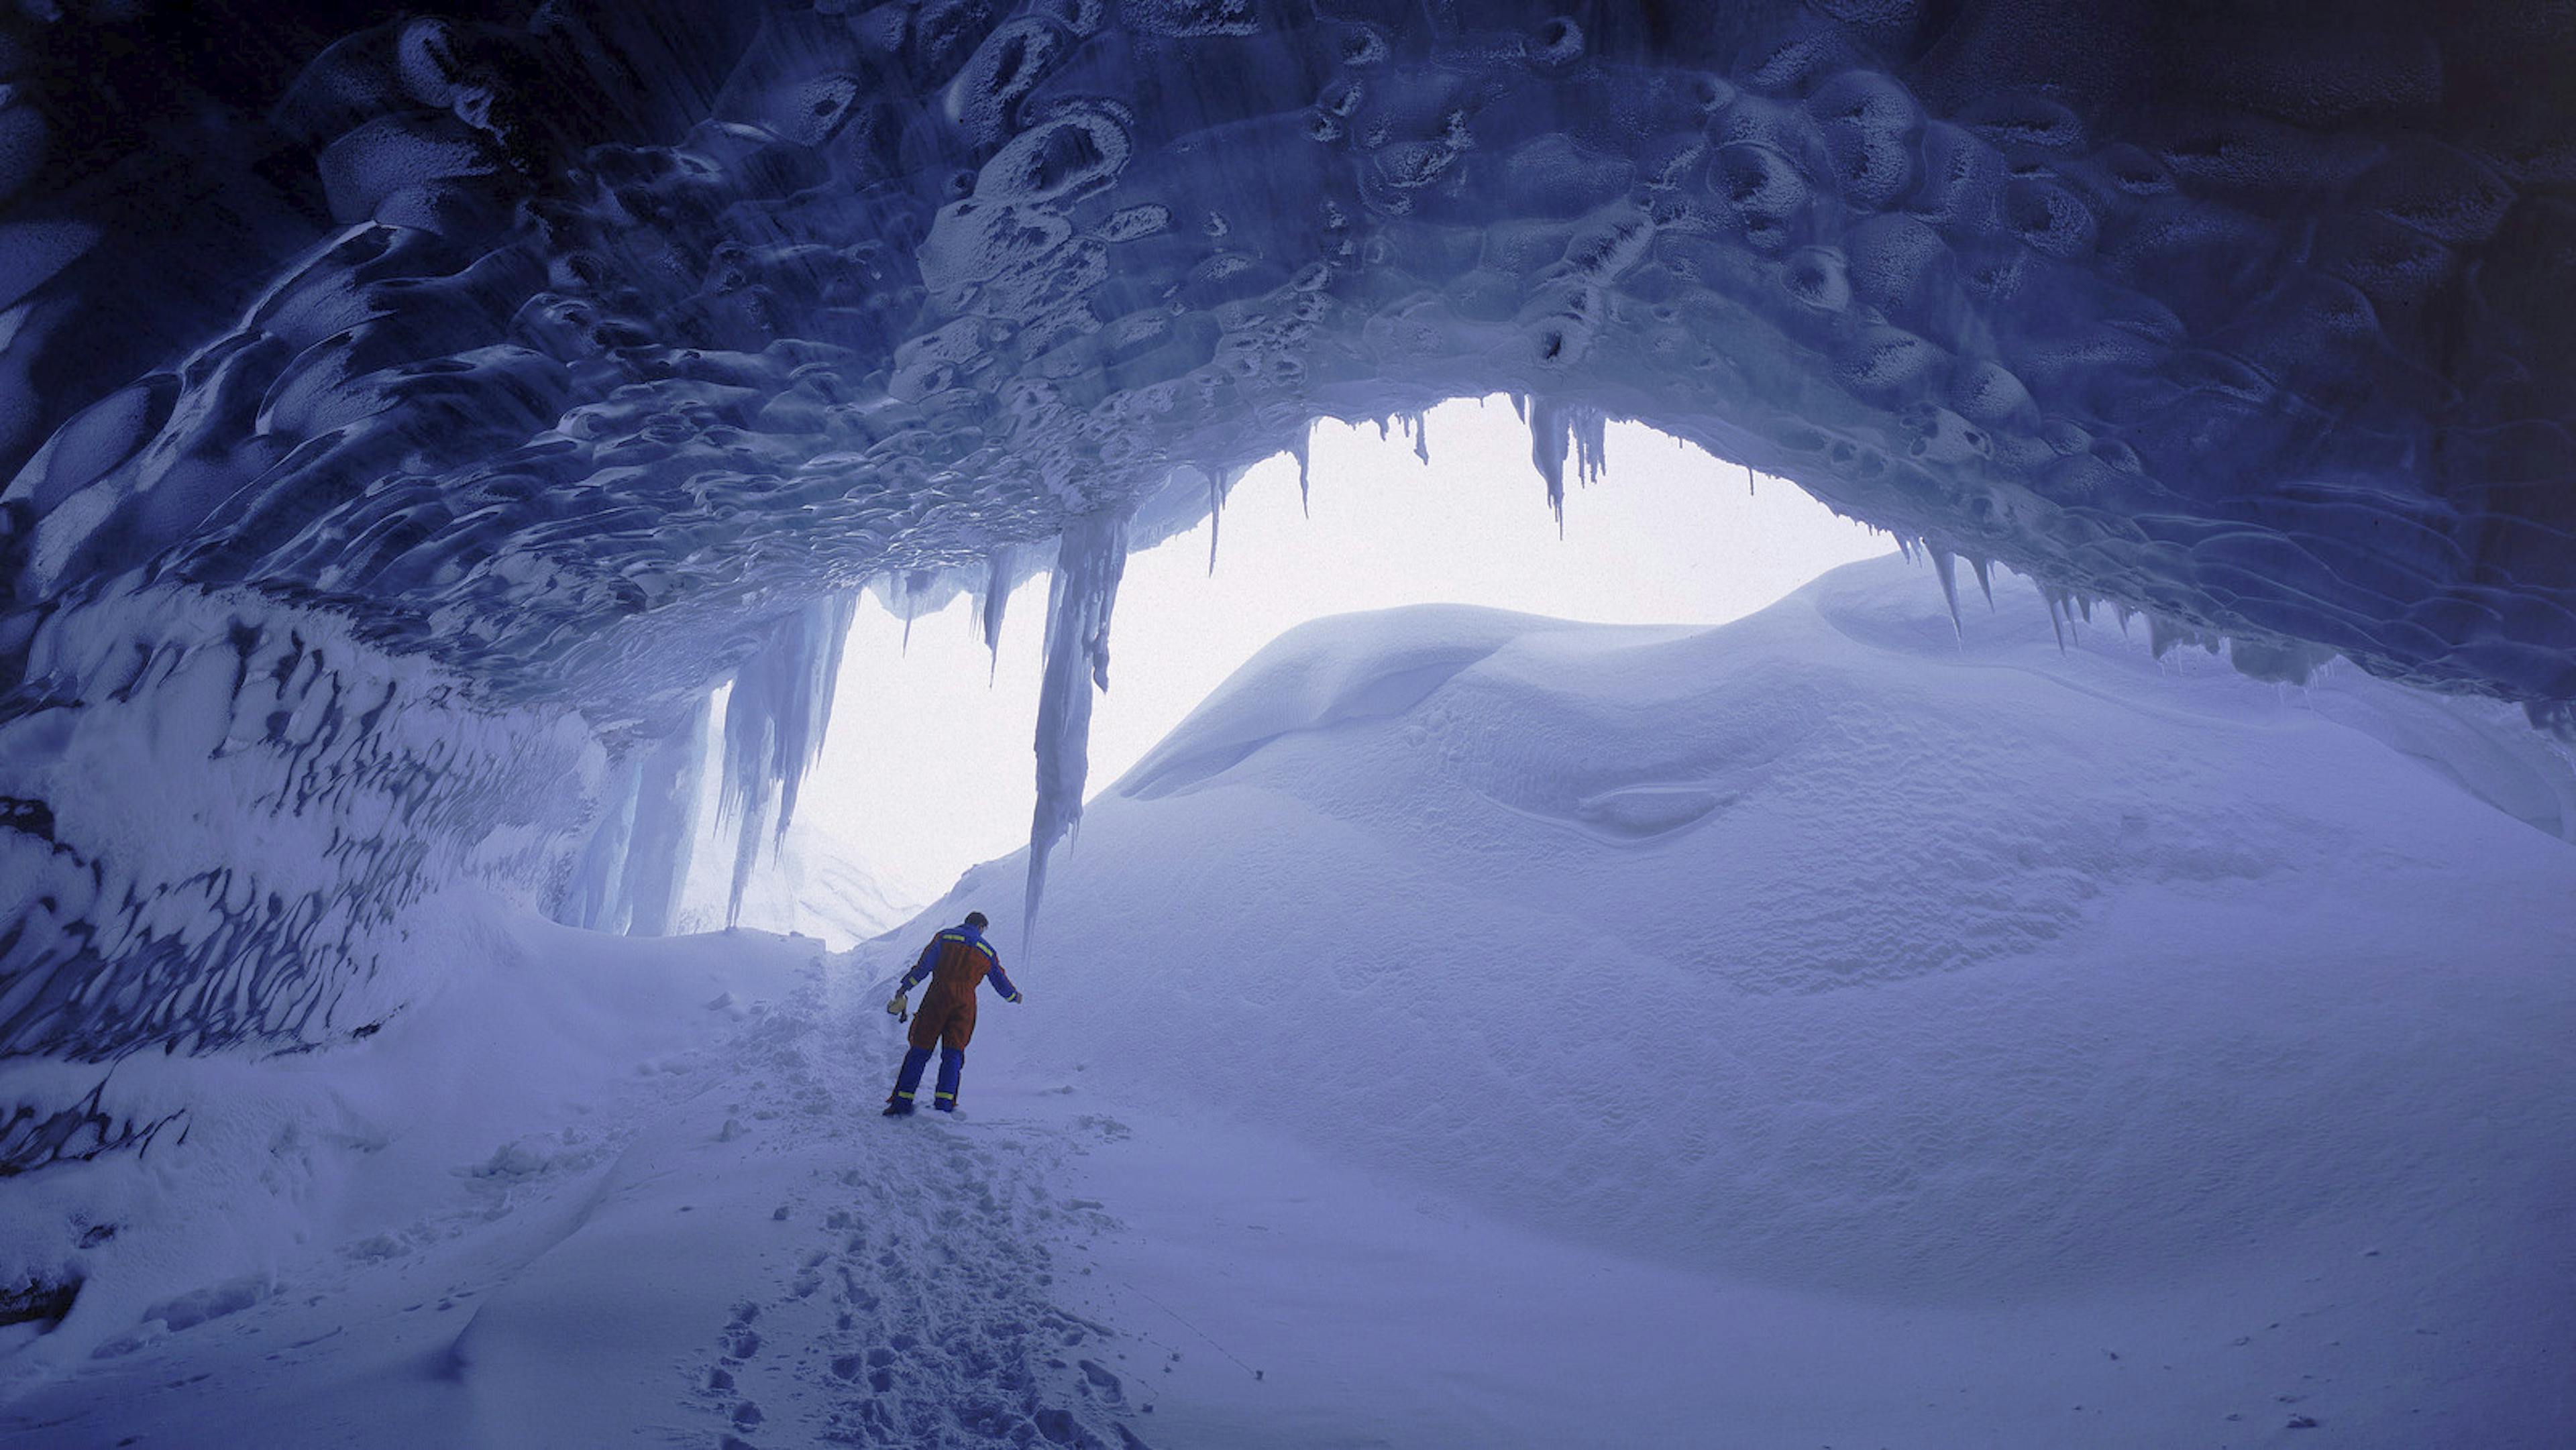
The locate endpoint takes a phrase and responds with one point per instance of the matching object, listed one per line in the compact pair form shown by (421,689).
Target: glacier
(410,417)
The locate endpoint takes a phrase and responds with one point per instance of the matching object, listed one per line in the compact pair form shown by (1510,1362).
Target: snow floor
(2141,1057)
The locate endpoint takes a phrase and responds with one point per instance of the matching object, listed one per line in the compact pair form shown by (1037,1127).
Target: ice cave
(2096,970)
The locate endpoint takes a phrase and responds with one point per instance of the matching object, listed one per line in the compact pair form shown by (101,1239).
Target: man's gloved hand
(899,1009)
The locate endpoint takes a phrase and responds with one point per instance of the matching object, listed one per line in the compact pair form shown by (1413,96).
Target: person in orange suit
(955,963)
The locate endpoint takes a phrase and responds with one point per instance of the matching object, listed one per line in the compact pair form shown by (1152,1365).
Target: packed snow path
(924,1316)
(735,1245)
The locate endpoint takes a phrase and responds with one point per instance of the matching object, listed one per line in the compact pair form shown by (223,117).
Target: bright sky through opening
(928,768)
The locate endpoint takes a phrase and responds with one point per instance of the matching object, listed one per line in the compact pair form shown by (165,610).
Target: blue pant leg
(952,1063)
(910,1080)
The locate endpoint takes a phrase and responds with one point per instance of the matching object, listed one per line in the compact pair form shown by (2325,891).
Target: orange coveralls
(957,961)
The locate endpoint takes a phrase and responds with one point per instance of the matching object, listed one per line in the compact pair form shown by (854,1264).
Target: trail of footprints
(919,1317)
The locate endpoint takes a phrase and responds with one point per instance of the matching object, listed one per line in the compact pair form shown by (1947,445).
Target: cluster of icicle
(782,696)
(781,702)
(2291,664)
(628,877)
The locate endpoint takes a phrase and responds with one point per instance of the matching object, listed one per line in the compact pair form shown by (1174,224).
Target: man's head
(975,919)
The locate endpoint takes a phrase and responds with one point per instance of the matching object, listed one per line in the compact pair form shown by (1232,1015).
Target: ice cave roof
(573,342)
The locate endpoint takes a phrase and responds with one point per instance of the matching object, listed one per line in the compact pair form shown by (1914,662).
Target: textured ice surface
(542,344)
(580,357)
(277,805)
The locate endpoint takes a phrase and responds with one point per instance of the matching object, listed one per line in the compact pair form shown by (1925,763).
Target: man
(955,961)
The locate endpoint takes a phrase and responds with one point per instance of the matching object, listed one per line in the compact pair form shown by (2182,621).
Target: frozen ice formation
(557,363)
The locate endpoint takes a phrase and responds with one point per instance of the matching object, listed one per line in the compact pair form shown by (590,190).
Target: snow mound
(1832,949)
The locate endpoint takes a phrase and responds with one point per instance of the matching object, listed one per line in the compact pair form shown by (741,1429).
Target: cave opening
(925,769)
(2134,1014)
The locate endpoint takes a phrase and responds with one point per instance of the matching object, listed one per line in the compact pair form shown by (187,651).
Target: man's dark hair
(975,919)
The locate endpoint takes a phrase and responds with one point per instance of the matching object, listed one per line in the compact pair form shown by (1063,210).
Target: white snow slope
(1476,1030)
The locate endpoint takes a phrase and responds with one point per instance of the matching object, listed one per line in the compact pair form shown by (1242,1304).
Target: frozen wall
(221,831)
(575,357)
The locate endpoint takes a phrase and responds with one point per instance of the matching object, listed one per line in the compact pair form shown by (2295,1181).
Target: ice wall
(571,353)
(221,828)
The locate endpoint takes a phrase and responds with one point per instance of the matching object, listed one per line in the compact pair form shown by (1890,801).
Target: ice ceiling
(409,418)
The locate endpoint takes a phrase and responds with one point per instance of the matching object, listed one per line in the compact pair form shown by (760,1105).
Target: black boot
(898,1107)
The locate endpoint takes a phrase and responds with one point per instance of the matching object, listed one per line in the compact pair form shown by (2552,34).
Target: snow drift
(1832,951)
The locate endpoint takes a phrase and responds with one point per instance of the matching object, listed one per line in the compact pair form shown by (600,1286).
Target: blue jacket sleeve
(1002,983)
(921,969)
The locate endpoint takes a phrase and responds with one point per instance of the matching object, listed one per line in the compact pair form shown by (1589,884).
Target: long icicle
(1946,565)
(1221,482)
(997,597)
(666,821)
(1089,560)
(1551,435)
(1590,428)
(775,719)
(1304,449)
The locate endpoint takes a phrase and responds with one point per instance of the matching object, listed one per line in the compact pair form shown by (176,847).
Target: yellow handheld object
(899,1009)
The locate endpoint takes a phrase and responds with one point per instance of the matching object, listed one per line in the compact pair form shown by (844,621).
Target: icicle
(1551,435)
(666,822)
(1221,482)
(746,854)
(628,875)
(591,900)
(774,724)
(1591,429)
(2052,595)
(1303,448)
(1945,565)
(1089,559)
(1985,584)
(997,597)
(1422,439)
